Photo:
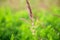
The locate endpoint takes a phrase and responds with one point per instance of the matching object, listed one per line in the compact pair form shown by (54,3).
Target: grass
(16,26)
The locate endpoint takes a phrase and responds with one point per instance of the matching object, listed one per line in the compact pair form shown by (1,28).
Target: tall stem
(29,9)
(31,16)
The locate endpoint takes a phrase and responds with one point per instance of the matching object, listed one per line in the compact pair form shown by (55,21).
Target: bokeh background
(15,23)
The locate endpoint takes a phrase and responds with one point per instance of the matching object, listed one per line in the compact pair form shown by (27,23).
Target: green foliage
(12,28)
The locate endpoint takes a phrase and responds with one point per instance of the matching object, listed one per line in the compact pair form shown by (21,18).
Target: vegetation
(17,25)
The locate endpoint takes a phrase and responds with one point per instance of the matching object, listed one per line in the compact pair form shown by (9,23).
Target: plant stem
(31,17)
(29,9)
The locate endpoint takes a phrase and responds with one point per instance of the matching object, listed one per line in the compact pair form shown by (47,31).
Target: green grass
(13,28)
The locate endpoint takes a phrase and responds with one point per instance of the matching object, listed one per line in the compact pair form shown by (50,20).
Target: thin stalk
(31,17)
(29,9)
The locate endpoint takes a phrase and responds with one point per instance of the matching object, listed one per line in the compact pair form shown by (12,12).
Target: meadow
(17,25)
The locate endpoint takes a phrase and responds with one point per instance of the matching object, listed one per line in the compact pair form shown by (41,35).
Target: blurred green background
(15,23)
